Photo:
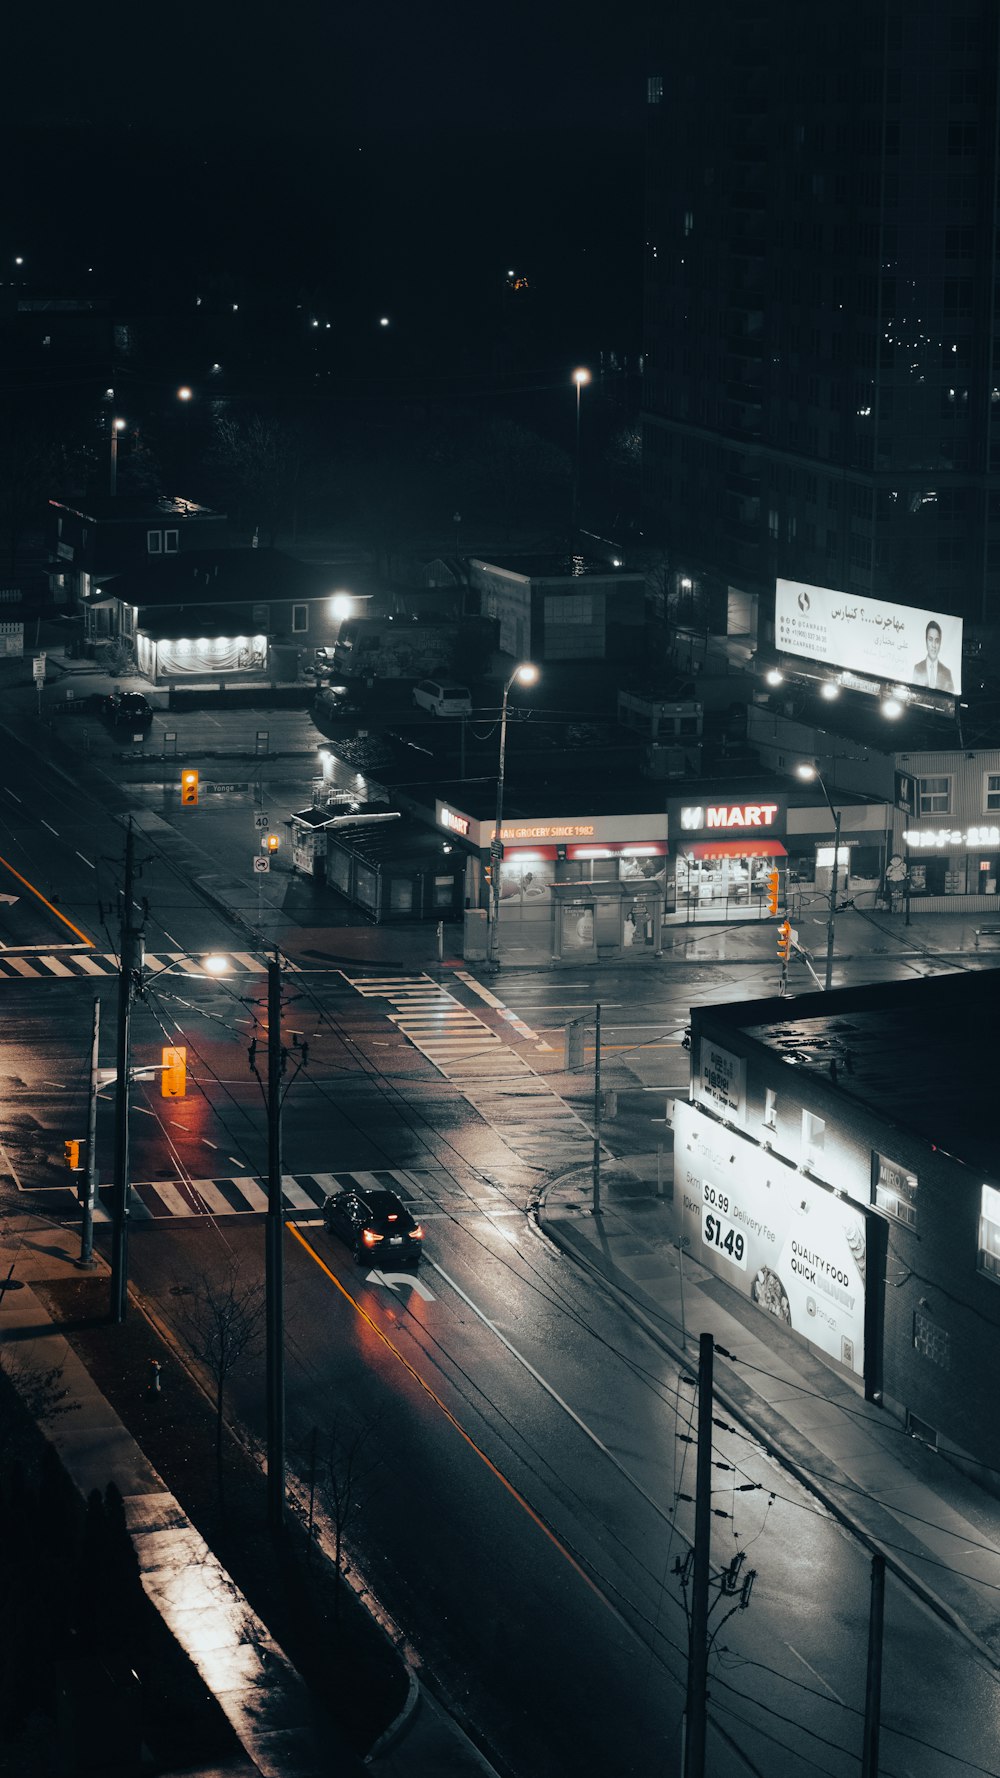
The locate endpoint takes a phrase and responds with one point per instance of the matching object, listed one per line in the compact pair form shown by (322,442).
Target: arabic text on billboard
(797,1251)
(895,642)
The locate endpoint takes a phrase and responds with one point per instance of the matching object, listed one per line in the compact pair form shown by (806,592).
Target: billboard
(796,1250)
(895,642)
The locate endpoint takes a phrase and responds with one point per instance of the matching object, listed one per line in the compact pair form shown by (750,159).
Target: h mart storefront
(573,891)
(722,856)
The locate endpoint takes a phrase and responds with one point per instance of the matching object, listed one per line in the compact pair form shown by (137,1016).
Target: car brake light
(416,1233)
(370,1237)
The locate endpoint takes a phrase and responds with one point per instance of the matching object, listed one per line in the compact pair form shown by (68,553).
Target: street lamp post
(810,774)
(525,674)
(116,427)
(580,378)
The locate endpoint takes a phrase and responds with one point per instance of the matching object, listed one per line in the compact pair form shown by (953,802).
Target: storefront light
(775,677)
(641,851)
(592,852)
(829,691)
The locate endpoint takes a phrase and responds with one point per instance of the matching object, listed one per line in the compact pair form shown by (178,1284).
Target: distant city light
(184,393)
(18,259)
(581,378)
(384,321)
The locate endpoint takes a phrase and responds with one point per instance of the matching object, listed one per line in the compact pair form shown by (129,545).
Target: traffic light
(773,885)
(488,873)
(189,786)
(173,1080)
(73,1149)
(272,843)
(784,940)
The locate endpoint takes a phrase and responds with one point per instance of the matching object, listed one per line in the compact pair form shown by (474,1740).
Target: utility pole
(273,1275)
(86,1258)
(695,1715)
(833,898)
(597,1111)
(129,974)
(873,1676)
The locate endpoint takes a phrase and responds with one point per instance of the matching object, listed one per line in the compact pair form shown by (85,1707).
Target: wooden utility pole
(695,1716)
(86,1258)
(129,974)
(273,1271)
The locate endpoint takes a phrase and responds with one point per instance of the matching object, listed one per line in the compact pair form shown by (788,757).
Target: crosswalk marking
(489,1073)
(43,966)
(163,1200)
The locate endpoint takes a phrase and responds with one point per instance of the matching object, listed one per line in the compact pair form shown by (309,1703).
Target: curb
(772,1444)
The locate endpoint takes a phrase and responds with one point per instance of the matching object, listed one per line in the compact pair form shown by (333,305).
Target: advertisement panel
(795,1250)
(722,1081)
(896,642)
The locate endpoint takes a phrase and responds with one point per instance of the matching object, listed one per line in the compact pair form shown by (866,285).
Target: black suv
(128,710)
(375,1224)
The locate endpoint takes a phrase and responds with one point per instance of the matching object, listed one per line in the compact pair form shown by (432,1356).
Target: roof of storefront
(921,1054)
(194,579)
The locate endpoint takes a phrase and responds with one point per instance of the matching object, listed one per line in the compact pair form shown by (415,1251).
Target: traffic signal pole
(696,1709)
(129,970)
(273,1273)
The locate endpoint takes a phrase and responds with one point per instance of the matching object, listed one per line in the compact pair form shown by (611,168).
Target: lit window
(989,1232)
(894,1189)
(813,1138)
(991,790)
(770,1109)
(935,796)
(300,619)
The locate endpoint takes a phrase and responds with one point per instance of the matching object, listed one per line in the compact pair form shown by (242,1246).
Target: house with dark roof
(215,616)
(107,535)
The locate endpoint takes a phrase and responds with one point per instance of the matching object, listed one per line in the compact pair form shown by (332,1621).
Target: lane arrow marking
(410,1278)
(10,899)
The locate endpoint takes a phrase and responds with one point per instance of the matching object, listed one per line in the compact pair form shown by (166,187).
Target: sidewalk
(263,1697)
(938,1531)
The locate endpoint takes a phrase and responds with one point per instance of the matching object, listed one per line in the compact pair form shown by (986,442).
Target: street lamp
(525,674)
(812,775)
(116,427)
(580,378)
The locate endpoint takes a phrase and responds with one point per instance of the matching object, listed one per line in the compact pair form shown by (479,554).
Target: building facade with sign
(834,1164)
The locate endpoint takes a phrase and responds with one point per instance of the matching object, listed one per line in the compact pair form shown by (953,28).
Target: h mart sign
(729,816)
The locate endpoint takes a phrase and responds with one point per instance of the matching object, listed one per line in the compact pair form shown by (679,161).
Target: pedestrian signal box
(784,940)
(173,1080)
(773,887)
(189,786)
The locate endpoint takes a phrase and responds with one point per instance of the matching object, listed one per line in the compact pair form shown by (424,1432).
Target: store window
(400,895)
(989,1233)
(894,1189)
(444,888)
(935,796)
(770,1109)
(991,791)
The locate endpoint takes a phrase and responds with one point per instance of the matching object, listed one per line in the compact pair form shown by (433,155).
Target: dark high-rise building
(822,373)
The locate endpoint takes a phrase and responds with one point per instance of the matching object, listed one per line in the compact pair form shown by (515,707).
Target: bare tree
(263,460)
(222,1325)
(346,1468)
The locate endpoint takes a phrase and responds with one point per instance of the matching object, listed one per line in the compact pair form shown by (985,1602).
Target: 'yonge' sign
(730,815)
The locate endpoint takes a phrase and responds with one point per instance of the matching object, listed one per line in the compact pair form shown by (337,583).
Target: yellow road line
(48,904)
(449,1416)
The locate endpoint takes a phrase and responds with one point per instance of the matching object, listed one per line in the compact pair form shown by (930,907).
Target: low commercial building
(835,1165)
(552,608)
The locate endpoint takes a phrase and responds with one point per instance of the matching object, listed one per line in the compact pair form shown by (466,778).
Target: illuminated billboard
(895,642)
(796,1250)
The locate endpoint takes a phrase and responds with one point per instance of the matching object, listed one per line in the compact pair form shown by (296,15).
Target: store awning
(745,848)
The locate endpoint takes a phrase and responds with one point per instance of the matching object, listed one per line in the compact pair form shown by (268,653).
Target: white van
(442,698)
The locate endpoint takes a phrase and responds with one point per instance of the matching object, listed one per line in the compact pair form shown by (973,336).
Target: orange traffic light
(71,1154)
(272,842)
(784,940)
(773,886)
(189,786)
(173,1080)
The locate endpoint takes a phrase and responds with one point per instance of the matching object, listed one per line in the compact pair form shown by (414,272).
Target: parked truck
(400,648)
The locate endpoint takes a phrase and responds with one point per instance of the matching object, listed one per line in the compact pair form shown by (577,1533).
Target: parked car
(340,700)
(128,710)
(442,697)
(376,1225)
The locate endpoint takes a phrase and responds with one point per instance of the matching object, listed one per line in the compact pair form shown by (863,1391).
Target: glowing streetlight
(525,674)
(341,606)
(216,964)
(812,775)
(581,378)
(116,427)
(774,676)
(184,393)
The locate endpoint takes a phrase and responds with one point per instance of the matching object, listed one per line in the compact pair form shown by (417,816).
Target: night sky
(404,154)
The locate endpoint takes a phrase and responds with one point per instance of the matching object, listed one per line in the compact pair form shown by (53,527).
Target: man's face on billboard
(933,642)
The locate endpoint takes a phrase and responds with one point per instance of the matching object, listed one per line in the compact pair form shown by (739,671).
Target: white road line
(87,861)
(177,1205)
(17,799)
(51,829)
(89,967)
(252,1192)
(812,1670)
(555,1396)
(208,1144)
(56,967)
